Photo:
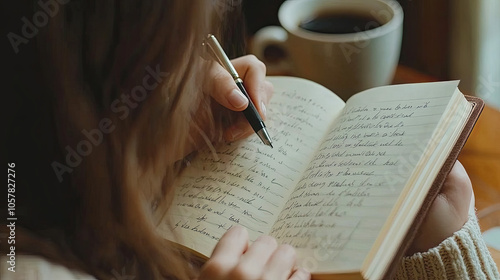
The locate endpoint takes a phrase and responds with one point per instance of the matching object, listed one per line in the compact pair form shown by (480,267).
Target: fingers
(448,212)
(253,73)
(252,263)
(284,258)
(300,274)
(221,86)
(264,259)
(457,190)
(226,254)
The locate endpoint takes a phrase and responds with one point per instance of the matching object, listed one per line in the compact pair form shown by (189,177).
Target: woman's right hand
(233,258)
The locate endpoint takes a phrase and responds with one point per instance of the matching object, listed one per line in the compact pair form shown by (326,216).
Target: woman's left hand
(221,86)
(448,213)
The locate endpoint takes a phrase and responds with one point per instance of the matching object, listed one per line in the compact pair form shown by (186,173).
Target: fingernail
(264,109)
(237,99)
(303,273)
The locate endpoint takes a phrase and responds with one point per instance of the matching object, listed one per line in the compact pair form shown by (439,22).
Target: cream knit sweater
(462,256)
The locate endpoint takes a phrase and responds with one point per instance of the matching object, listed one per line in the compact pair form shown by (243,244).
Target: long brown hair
(125,81)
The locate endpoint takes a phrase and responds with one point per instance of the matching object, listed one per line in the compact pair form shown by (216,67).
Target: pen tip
(262,133)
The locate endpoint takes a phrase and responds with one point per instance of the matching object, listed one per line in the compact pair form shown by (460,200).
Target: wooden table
(480,157)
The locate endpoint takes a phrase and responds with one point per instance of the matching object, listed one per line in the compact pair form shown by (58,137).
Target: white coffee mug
(344,63)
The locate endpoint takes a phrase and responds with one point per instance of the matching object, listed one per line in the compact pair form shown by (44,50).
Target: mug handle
(277,37)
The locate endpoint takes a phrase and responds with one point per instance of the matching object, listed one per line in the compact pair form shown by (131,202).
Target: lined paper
(354,180)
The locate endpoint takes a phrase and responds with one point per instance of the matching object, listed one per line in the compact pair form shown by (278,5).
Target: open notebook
(346,184)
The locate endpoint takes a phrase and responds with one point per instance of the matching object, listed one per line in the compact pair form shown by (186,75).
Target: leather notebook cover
(477,108)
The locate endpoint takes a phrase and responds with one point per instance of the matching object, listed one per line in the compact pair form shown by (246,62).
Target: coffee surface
(340,23)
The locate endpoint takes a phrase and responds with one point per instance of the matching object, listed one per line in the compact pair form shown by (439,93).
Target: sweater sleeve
(461,256)
(34,267)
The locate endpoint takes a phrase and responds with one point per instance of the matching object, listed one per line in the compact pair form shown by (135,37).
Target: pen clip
(219,54)
(207,52)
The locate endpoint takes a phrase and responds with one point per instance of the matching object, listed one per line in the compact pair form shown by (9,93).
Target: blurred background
(446,39)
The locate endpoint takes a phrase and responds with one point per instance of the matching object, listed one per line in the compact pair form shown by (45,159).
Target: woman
(131,97)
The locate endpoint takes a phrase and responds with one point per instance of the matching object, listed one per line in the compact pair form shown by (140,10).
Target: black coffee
(340,23)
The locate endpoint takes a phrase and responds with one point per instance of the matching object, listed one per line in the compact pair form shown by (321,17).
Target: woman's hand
(264,259)
(219,119)
(221,86)
(448,213)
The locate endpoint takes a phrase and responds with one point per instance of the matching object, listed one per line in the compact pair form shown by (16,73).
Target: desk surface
(480,157)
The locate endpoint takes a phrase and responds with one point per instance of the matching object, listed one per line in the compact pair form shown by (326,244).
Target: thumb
(458,191)
(221,86)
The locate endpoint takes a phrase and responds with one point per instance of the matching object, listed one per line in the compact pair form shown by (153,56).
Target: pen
(250,112)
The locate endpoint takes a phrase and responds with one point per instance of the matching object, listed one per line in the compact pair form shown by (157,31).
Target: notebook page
(246,182)
(348,190)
